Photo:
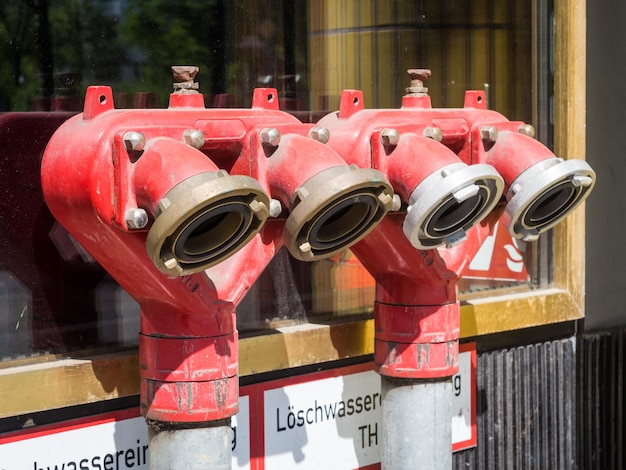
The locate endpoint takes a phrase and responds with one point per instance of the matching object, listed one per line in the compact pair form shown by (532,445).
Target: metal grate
(602,436)
(526,416)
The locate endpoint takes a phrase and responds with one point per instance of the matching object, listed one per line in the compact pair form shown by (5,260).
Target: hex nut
(320,133)
(276,208)
(489,134)
(389,137)
(194,138)
(136,219)
(134,141)
(526,129)
(269,136)
(433,133)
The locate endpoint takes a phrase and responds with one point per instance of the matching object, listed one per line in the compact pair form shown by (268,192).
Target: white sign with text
(335,422)
(115,442)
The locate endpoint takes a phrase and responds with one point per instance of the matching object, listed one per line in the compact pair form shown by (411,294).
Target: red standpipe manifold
(540,189)
(450,168)
(445,196)
(185,207)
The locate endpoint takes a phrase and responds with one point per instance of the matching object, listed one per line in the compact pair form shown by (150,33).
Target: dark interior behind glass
(54,298)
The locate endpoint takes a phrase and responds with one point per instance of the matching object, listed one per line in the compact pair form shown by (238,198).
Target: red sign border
(255,394)
(472,441)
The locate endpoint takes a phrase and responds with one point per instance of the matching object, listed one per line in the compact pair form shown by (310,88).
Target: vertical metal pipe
(416,424)
(172,448)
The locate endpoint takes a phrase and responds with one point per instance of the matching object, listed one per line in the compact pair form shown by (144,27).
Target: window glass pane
(53,297)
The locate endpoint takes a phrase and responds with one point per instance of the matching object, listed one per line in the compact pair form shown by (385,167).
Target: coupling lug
(581,181)
(465,193)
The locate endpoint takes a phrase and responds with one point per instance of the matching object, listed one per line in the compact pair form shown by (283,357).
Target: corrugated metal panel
(602,437)
(526,412)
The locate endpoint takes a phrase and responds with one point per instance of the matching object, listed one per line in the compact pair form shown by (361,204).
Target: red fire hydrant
(185,207)
(450,167)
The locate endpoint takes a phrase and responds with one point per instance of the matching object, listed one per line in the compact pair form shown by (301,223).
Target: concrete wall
(606,153)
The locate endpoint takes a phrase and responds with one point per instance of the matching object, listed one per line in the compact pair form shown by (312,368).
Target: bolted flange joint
(433,352)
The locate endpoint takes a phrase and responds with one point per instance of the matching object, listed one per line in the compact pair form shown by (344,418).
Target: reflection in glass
(16,309)
(310,50)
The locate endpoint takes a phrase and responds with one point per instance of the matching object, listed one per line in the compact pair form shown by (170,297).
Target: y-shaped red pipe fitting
(443,164)
(133,187)
(417,310)
(416,344)
(173,204)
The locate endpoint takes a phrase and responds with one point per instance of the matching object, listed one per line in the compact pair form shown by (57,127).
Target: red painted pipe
(297,159)
(332,205)
(407,169)
(417,313)
(540,188)
(156,172)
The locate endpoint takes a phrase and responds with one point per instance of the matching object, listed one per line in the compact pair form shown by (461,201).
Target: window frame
(58,383)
